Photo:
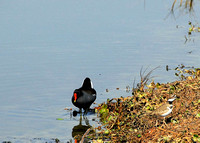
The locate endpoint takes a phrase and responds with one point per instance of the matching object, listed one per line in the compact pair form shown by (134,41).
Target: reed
(188,4)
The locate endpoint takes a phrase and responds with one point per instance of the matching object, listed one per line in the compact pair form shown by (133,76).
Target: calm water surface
(48,47)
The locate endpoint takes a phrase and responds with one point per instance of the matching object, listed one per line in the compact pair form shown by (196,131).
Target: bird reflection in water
(79,130)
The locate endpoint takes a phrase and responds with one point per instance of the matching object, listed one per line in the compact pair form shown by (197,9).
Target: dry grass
(125,119)
(188,4)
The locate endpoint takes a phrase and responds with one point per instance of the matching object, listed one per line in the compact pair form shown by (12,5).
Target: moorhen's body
(84,96)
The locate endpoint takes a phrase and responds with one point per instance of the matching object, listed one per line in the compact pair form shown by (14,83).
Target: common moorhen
(84,96)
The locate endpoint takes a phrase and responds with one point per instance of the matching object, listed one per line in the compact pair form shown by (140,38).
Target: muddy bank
(129,119)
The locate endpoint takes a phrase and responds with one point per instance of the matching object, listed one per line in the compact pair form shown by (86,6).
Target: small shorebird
(165,109)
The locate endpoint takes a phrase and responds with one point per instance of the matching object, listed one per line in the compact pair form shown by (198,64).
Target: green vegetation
(127,119)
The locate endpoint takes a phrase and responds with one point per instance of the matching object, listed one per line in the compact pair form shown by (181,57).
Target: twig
(85,134)
(167,131)
(113,124)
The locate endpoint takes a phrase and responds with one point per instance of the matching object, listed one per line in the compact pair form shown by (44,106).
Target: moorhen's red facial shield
(75,97)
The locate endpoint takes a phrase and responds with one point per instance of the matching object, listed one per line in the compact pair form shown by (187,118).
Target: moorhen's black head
(87,84)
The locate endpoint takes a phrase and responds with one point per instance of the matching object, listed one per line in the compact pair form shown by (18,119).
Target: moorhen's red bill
(84,96)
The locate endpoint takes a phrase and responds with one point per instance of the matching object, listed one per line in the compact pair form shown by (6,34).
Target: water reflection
(183,7)
(80,129)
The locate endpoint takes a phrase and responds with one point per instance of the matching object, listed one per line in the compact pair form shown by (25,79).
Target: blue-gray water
(48,47)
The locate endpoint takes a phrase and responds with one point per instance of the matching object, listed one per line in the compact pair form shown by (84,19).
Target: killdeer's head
(171,99)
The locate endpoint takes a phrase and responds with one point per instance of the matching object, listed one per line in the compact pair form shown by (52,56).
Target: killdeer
(165,109)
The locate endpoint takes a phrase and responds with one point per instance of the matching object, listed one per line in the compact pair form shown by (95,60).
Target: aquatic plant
(188,4)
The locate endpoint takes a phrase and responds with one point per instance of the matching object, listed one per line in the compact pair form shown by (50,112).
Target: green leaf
(106,131)
(110,118)
(59,119)
(148,107)
(172,87)
(196,138)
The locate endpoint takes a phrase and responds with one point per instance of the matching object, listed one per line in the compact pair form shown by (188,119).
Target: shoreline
(126,119)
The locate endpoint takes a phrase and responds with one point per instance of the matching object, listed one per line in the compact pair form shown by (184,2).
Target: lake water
(47,48)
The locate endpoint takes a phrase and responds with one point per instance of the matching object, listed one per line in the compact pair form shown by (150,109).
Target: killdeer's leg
(165,122)
(156,122)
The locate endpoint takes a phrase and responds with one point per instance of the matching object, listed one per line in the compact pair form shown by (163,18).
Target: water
(47,48)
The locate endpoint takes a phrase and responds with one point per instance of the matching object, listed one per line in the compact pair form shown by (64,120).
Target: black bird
(84,96)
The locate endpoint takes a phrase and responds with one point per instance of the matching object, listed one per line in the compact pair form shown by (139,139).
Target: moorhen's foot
(75,113)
